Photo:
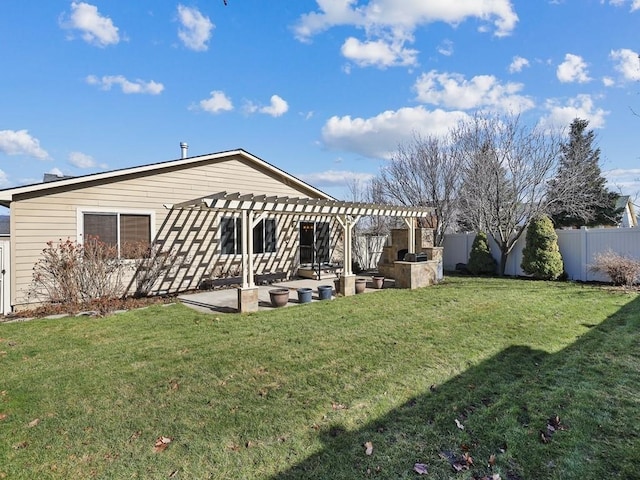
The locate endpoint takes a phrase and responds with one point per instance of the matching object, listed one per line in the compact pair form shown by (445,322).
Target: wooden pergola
(254,208)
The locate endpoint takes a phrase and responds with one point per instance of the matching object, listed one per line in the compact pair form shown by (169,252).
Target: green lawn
(297,392)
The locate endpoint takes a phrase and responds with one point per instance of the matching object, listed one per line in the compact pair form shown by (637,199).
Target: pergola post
(248,293)
(348,278)
(411,234)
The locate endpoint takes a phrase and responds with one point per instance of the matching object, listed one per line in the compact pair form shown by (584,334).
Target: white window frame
(80,212)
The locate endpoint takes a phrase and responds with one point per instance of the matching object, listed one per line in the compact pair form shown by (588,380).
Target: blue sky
(325,90)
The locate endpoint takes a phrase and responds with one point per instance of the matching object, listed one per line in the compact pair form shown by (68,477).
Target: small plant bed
(474,378)
(97,307)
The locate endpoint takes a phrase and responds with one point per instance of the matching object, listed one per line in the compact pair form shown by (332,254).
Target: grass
(296,392)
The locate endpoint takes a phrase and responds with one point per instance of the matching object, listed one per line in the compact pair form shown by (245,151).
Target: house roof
(622,201)
(7,195)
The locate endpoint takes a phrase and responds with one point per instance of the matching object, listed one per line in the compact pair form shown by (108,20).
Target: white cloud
(627,63)
(573,69)
(608,81)
(195,29)
(635,4)
(127,86)
(581,106)
(95,29)
(82,160)
(4,179)
(216,103)
(56,171)
(446,48)
(378,53)
(404,17)
(625,181)
(453,90)
(379,136)
(19,142)
(517,64)
(389,25)
(277,108)
(331,178)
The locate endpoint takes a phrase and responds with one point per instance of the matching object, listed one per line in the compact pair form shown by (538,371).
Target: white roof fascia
(7,195)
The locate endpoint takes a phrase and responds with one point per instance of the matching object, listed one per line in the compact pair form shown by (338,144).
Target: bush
(621,269)
(72,273)
(541,254)
(480,260)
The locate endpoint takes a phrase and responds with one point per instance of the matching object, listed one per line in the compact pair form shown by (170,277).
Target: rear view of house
(135,205)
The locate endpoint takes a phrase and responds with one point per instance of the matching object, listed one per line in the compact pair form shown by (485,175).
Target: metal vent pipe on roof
(183,149)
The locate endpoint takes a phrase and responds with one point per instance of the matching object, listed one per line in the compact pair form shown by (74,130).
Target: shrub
(480,260)
(71,273)
(541,254)
(621,269)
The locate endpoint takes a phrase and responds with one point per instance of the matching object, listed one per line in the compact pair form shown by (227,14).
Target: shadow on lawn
(507,405)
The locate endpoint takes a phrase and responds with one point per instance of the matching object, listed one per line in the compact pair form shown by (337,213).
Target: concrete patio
(226,300)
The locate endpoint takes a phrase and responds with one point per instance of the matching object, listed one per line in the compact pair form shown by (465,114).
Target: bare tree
(424,173)
(505,169)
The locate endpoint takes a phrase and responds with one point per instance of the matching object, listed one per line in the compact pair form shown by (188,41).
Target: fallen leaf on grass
(420,469)
(34,423)
(544,437)
(20,445)
(368,448)
(458,467)
(338,406)
(457,463)
(492,460)
(459,425)
(553,425)
(161,444)
(468,458)
(3,416)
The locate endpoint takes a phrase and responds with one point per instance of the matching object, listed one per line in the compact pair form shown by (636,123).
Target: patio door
(314,242)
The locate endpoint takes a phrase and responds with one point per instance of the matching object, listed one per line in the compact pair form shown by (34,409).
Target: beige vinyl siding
(53,216)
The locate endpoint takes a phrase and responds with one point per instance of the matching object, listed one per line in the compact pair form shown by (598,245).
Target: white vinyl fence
(578,249)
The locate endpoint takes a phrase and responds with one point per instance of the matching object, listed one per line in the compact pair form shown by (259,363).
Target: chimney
(183,148)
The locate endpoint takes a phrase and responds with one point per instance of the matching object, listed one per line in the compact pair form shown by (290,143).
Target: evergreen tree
(588,202)
(480,260)
(541,256)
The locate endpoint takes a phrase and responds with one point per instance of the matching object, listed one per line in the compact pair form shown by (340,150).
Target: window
(264,236)
(130,233)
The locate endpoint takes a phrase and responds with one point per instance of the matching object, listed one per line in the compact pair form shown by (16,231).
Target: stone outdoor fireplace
(420,268)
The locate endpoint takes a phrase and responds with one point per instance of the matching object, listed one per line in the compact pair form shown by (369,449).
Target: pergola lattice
(254,208)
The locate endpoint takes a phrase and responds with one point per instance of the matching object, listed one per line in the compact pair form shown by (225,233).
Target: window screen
(132,231)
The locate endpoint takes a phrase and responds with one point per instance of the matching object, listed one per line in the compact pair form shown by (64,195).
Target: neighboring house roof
(53,177)
(4,225)
(39,189)
(629,218)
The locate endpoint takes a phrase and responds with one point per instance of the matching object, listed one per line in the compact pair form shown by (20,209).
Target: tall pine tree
(591,203)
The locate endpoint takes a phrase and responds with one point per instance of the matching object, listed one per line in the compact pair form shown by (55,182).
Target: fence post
(584,253)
